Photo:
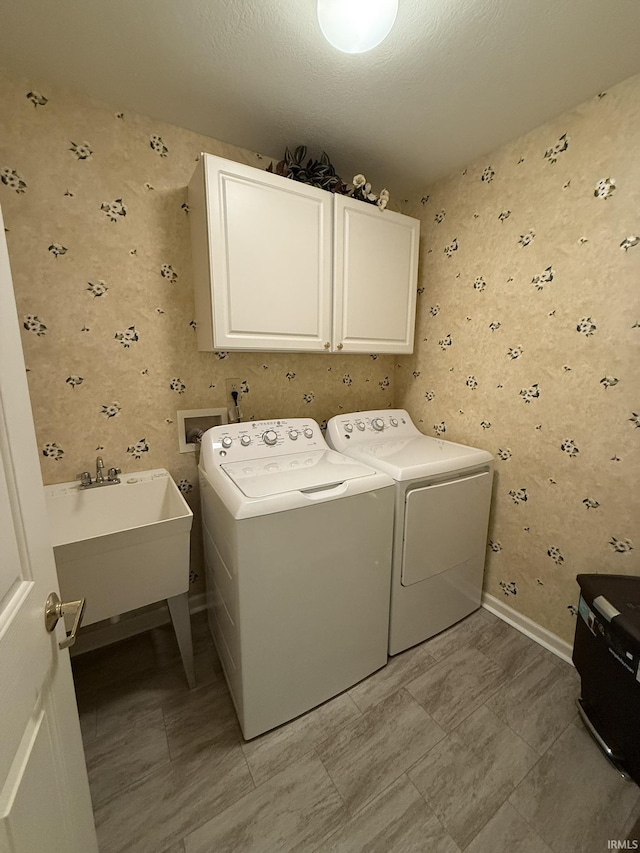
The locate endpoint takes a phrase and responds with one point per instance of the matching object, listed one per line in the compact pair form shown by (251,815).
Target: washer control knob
(270,437)
(245,440)
(293,434)
(308,432)
(393,422)
(360,425)
(348,427)
(227,441)
(377,424)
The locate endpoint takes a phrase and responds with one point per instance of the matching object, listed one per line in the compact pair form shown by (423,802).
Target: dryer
(443,497)
(297,542)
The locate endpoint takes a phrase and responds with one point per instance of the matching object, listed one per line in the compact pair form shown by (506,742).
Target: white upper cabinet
(375,278)
(261,247)
(266,275)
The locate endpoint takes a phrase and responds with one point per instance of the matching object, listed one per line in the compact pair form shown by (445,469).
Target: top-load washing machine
(297,541)
(443,496)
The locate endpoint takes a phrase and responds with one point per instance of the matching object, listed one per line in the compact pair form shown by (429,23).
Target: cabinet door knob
(327,344)
(339,346)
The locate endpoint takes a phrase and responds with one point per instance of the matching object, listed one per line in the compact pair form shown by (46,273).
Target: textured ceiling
(454,79)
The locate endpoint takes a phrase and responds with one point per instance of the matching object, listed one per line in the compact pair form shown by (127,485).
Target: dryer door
(445,525)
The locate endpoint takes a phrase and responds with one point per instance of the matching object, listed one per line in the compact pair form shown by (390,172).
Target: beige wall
(518,378)
(528,346)
(90,390)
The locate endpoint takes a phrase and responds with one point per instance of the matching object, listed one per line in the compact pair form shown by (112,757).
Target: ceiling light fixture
(355,26)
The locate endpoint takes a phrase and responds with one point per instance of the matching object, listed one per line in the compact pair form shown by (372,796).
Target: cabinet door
(270,259)
(375,278)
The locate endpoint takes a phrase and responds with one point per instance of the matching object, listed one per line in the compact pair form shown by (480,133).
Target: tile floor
(469,741)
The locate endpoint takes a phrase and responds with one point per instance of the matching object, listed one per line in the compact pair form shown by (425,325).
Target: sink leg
(179,610)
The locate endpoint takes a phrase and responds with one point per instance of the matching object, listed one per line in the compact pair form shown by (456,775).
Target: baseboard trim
(130,626)
(528,627)
(140,622)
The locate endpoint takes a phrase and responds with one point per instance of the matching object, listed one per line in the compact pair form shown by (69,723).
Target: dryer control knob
(293,434)
(377,424)
(393,422)
(348,427)
(308,432)
(245,440)
(227,441)
(360,425)
(270,437)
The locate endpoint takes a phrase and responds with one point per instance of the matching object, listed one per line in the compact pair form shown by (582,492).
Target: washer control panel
(255,439)
(364,427)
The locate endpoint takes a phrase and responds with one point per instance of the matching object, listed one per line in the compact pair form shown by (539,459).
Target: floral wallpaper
(527,338)
(97,221)
(528,345)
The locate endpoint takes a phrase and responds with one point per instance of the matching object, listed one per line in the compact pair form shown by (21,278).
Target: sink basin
(123,546)
(138,509)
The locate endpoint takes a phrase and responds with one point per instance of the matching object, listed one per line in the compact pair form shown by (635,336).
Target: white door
(45,805)
(375,278)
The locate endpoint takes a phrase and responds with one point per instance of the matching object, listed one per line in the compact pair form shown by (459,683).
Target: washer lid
(311,471)
(419,456)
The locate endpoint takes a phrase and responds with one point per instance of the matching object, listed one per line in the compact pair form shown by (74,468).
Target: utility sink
(124,546)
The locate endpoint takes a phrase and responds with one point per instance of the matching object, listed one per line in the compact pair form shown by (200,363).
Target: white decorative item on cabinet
(265,273)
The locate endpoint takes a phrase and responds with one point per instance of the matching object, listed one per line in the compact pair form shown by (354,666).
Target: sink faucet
(111,479)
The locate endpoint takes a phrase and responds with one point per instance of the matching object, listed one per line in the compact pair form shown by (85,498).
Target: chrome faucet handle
(85,478)
(112,474)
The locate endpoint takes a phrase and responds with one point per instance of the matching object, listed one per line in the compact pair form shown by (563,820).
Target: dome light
(355,26)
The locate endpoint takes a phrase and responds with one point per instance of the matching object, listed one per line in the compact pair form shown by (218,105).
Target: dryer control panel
(346,431)
(257,439)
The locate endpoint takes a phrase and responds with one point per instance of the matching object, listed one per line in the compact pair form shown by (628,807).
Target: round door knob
(393,422)
(308,432)
(227,441)
(348,427)
(245,440)
(293,434)
(327,344)
(270,437)
(339,346)
(360,425)
(377,424)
